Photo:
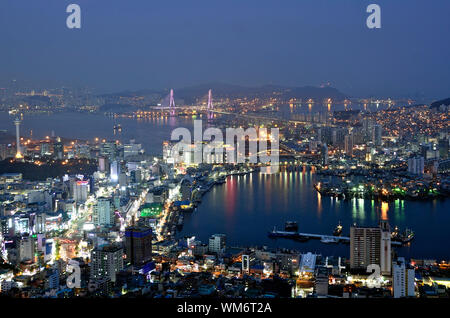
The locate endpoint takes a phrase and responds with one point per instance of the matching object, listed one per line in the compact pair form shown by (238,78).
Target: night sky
(173,43)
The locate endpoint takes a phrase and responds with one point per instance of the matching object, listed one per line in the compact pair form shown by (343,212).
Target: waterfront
(260,201)
(247,207)
(150,132)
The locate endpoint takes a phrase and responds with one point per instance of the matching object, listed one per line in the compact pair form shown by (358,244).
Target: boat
(338,230)
(221,180)
(395,234)
(404,238)
(291,226)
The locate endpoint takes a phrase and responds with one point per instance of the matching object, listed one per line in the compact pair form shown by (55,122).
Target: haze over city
(162,44)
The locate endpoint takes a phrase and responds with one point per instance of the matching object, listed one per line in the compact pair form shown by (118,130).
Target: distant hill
(37,100)
(220,90)
(117,108)
(438,103)
(193,94)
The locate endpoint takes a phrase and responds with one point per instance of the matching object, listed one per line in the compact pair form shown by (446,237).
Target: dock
(307,236)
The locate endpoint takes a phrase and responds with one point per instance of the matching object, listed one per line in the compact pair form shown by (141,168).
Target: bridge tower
(171,102)
(210,105)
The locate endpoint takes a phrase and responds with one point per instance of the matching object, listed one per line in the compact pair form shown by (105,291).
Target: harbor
(291,232)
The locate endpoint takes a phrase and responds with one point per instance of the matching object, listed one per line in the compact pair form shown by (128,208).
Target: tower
(210,105)
(245,264)
(172,103)
(18,152)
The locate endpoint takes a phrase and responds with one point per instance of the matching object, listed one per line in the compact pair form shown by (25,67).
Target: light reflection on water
(290,196)
(245,208)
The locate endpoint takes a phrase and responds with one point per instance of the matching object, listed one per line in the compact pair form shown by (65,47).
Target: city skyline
(216,157)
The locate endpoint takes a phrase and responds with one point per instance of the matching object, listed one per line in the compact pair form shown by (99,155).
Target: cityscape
(305,191)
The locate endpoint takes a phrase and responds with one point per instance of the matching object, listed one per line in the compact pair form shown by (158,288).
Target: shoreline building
(371,245)
(80,191)
(402,279)
(217,243)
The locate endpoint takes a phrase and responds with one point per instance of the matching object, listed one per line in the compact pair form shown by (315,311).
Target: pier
(322,237)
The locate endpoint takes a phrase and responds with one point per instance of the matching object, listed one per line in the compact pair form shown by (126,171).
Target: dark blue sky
(172,43)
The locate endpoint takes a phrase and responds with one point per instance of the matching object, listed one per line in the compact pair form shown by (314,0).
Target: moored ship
(338,230)
(404,238)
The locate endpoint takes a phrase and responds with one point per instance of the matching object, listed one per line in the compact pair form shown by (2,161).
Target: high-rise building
(115,171)
(245,263)
(321,281)
(371,245)
(103,164)
(131,149)
(52,279)
(364,246)
(7,151)
(138,242)
(106,262)
(123,180)
(402,279)
(377,134)
(103,214)
(217,243)
(58,149)
(135,176)
(325,158)
(385,248)
(367,126)
(167,152)
(348,143)
(45,149)
(416,165)
(80,191)
(40,222)
(109,150)
(26,248)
